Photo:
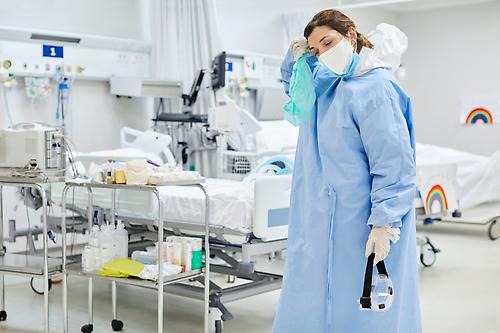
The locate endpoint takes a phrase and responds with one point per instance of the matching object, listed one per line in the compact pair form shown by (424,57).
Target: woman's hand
(298,47)
(379,242)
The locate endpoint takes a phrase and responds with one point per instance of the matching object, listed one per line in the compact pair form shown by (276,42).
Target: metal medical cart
(29,265)
(75,269)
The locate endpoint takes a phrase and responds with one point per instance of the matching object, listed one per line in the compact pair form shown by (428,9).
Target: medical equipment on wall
(63,89)
(218,74)
(8,82)
(139,87)
(38,53)
(378,290)
(253,81)
(37,87)
(33,148)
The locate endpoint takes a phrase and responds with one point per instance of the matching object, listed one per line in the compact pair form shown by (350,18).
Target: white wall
(117,18)
(95,116)
(257,26)
(453,52)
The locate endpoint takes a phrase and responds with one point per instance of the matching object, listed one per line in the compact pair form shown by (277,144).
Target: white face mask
(338,57)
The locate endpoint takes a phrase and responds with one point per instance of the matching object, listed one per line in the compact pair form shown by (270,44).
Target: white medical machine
(149,141)
(33,147)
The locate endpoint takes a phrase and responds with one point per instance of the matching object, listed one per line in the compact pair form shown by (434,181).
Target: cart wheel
(3,315)
(87,328)
(218,326)
(117,325)
(428,256)
(36,291)
(494,230)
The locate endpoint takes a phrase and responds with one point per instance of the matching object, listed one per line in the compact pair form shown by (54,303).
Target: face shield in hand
(378,291)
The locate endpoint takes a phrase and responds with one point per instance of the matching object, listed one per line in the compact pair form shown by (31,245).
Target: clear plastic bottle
(187,256)
(88,259)
(107,246)
(90,254)
(121,239)
(94,236)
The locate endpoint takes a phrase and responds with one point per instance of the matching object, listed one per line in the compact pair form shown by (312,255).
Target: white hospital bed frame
(487,214)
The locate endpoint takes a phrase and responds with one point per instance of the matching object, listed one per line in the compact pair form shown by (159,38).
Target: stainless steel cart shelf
(26,265)
(162,280)
(75,269)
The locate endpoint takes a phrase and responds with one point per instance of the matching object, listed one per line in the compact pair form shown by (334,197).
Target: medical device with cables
(33,148)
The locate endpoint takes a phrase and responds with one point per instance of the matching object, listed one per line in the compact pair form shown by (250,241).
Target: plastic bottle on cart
(88,259)
(187,256)
(197,254)
(94,236)
(90,255)
(107,248)
(121,238)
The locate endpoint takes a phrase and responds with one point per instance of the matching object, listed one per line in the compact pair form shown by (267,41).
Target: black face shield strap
(365,299)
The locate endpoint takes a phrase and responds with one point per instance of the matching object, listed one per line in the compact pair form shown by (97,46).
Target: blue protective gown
(354,167)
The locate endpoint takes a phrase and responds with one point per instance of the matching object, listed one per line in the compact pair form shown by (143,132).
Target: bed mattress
(477,180)
(231,204)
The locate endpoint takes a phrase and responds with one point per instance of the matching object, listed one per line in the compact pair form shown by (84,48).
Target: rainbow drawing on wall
(478,116)
(436,201)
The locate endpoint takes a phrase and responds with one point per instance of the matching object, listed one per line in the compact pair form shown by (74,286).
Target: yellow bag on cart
(122,268)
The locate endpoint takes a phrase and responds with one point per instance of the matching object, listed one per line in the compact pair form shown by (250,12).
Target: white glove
(379,242)
(298,47)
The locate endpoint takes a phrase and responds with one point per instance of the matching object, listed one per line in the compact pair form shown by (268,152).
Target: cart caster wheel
(428,256)
(494,230)
(218,326)
(117,325)
(3,315)
(428,260)
(87,328)
(37,291)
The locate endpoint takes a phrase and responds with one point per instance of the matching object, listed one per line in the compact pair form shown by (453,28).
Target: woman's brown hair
(337,21)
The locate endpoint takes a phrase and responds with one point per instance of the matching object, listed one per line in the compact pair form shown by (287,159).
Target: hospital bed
(248,219)
(472,188)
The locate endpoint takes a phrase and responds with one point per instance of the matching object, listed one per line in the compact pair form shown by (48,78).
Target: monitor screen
(219,71)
